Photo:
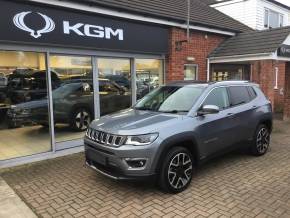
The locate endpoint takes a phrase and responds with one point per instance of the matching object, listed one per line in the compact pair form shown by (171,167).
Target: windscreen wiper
(174,111)
(143,108)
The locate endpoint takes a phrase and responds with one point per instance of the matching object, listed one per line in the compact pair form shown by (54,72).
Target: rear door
(241,103)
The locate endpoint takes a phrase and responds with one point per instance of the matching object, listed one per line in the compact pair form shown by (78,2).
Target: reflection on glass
(149,75)
(23,104)
(190,72)
(170,99)
(73,102)
(114,85)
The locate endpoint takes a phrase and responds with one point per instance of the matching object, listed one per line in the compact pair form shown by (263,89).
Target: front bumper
(19,119)
(112,162)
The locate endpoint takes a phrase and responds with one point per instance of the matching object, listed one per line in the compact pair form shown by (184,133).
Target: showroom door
(72,97)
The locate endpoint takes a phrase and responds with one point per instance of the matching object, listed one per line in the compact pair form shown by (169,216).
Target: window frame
(196,75)
(254,92)
(267,16)
(247,88)
(227,90)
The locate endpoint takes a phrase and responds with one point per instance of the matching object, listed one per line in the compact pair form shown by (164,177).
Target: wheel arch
(186,140)
(267,122)
(79,106)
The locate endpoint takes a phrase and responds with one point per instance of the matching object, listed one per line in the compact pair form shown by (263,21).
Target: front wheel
(176,170)
(261,141)
(81,119)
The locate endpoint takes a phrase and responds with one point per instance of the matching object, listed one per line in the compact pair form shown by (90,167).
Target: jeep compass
(176,127)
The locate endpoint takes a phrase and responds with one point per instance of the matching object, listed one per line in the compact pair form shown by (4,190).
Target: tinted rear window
(239,95)
(252,92)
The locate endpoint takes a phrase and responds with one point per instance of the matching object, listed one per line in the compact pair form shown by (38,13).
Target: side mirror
(86,88)
(208,109)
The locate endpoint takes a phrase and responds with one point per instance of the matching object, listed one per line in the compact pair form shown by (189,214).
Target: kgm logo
(80,29)
(18,21)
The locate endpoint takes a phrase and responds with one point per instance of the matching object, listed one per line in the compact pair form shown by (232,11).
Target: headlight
(26,111)
(18,110)
(139,140)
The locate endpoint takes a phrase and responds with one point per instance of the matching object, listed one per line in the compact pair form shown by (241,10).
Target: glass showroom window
(149,75)
(114,84)
(190,72)
(73,95)
(24,110)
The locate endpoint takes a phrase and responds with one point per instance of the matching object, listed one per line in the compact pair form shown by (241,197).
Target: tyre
(44,125)
(261,141)
(176,170)
(80,119)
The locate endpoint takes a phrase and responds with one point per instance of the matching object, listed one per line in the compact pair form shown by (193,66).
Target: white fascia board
(218,4)
(104,11)
(243,58)
(287,40)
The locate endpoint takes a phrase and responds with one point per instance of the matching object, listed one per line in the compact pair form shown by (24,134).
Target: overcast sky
(286,2)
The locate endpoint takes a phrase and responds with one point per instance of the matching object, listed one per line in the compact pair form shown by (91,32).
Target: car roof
(203,83)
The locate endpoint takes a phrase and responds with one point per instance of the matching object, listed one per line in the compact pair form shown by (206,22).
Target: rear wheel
(81,119)
(261,141)
(176,170)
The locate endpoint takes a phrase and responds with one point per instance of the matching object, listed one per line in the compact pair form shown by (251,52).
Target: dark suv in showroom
(73,104)
(176,127)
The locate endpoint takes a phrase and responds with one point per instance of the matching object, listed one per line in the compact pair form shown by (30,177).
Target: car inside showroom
(25,110)
(58,77)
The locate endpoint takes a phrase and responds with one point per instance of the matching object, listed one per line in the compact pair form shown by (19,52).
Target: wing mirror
(86,88)
(208,109)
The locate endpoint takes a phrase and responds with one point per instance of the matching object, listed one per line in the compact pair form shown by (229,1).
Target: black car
(73,104)
(120,80)
(29,85)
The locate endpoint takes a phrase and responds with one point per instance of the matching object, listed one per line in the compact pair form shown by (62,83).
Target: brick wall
(199,47)
(263,73)
(287,92)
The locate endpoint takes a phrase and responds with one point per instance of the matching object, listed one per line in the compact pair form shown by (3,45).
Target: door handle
(230,115)
(254,107)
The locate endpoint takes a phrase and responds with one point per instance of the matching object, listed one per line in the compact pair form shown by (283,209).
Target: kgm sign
(26,23)
(80,29)
(284,51)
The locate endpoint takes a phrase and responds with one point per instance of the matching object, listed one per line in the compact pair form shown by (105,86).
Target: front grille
(105,138)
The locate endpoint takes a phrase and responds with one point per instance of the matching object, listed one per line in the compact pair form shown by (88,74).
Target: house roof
(212,2)
(265,41)
(173,10)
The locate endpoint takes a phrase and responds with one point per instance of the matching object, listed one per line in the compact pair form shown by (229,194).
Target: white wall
(261,5)
(251,12)
(241,10)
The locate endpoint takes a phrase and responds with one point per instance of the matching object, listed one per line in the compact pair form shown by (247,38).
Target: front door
(217,131)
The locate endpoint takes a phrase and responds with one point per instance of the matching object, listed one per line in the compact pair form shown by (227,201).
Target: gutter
(240,58)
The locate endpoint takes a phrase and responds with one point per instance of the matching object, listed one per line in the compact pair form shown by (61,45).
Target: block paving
(235,185)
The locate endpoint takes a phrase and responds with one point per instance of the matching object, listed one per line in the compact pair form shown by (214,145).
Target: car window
(218,97)
(108,87)
(252,92)
(239,95)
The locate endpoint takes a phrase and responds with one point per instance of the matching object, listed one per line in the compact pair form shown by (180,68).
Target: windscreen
(170,99)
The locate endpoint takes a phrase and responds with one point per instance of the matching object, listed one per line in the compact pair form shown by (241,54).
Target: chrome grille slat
(105,138)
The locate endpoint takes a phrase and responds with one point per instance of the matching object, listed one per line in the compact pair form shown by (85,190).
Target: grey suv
(175,128)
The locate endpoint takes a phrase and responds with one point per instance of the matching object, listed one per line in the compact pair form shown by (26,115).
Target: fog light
(136,162)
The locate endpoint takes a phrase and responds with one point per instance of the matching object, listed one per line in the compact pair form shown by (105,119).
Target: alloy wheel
(180,170)
(82,120)
(263,140)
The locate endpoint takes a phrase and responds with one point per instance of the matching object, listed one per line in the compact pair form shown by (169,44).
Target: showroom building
(65,63)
